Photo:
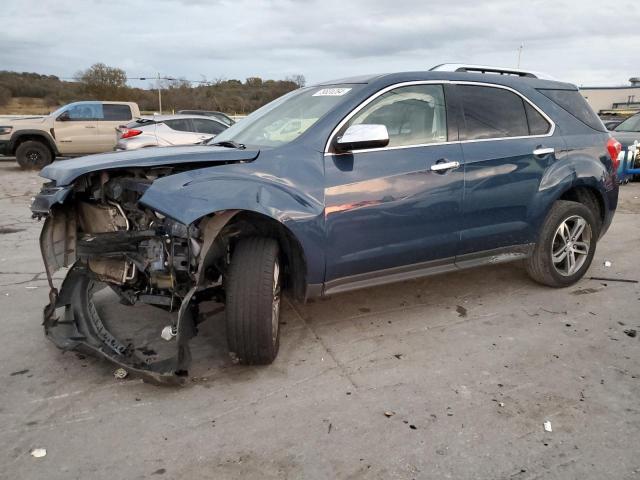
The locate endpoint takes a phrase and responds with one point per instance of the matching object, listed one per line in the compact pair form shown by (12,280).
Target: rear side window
(116,112)
(574,103)
(492,113)
(207,126)
(179,124)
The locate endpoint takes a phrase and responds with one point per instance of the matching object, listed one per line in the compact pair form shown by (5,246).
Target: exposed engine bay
(107,237)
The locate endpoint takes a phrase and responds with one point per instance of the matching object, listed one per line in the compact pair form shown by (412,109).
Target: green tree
(103,82)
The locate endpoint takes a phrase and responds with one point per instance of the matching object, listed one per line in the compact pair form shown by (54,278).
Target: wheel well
(247,224)
(589,197)
(29,136)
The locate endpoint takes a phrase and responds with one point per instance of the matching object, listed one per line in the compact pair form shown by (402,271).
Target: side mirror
(358,137)
(64,117)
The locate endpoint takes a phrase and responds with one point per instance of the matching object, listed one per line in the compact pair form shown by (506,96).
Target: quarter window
(492,113)
(413,115)
(537,123)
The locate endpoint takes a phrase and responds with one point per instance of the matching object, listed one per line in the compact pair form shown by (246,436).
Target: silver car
(167,130)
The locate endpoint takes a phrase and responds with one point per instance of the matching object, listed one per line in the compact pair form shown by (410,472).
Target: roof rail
(461,67)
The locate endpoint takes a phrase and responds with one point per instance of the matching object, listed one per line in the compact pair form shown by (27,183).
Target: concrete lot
(469,365)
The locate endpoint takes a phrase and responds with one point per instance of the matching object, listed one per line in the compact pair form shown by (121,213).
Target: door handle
(444,166)
(542,151)
(89,126)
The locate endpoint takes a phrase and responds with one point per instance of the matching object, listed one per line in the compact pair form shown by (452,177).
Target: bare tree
(299,80)
(102,81)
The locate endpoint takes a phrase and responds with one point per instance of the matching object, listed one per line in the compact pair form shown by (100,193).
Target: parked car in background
(167,130)
(611,123)
(79,128)
(330,188)
(627,133)
(223,117)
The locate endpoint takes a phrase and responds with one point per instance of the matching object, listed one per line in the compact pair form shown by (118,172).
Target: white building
(614,98)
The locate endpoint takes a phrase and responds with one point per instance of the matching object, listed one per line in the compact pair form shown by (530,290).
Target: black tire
(33,154)
(252,309)
(541,265)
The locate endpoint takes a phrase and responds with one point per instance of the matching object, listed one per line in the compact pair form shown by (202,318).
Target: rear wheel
(33,154)
(566,245)
(253,293)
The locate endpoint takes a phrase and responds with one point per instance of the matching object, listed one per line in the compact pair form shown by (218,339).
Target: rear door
(179,131)
(113,116)
(386,211)
(507,144)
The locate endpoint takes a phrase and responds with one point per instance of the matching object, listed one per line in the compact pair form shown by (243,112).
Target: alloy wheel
(571,245)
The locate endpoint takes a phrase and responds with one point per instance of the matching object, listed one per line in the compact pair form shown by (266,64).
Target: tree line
(101,82)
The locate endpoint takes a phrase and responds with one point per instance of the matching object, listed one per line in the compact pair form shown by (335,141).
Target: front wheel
(33,154)
(566,245)
(253,289)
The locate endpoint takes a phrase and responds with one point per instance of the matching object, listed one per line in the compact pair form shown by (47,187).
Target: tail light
(614,148)
(130,132)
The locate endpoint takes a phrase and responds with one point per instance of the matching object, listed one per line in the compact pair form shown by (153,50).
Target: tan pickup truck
(79,128)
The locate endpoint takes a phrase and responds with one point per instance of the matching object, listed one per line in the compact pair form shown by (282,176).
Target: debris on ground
(547,426)
(607,263)
(631,332)
(120,373)
(38,452)
(168,332)
(389,414)
(605,279)
(501,404)
(462,312)
(19,372)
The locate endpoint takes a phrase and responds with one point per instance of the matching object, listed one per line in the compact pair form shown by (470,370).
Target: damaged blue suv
(339,186)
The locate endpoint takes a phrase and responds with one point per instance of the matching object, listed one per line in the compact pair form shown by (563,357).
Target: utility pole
(158,78)
(160,92)
(520,48)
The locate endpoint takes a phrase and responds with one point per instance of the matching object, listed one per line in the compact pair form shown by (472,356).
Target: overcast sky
(589,42)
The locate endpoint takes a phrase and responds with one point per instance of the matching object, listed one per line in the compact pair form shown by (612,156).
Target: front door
(76,129)
(385,208)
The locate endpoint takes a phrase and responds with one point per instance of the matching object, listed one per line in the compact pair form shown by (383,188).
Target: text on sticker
(331,92)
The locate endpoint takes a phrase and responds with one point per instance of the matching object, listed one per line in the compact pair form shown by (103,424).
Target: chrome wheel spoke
(559,255)
(571,262)
(578,228)
(581,248)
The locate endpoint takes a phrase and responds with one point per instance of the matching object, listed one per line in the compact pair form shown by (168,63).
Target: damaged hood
(66,171)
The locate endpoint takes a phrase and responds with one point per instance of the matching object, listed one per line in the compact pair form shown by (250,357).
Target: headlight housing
(5,130)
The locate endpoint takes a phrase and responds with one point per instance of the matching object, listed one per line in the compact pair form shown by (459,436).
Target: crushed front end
(99,230)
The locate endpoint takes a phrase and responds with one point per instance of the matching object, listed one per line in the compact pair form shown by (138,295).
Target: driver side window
(413,115)
(85,111)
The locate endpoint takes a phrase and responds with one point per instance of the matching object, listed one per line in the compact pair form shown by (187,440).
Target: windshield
(631,124)
(287,117)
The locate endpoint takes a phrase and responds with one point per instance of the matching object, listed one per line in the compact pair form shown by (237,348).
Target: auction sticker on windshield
(331,92)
